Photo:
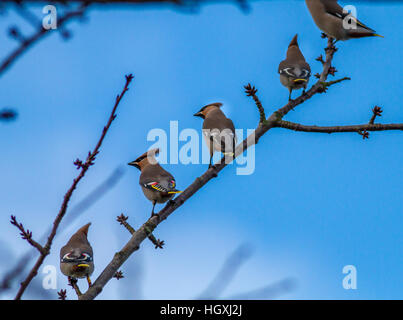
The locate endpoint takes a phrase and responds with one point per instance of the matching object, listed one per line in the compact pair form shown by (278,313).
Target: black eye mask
(85,257)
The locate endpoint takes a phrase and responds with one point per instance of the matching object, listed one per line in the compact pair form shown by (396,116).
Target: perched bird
(294,70)
(330,17)
(76,257)
(218,130)
(157,184)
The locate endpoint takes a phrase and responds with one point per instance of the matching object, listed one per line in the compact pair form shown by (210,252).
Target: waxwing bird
(218,130)
(337,23)
(294,70)
(157,184)
(76,257)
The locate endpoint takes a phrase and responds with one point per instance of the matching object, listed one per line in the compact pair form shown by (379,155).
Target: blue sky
(314,204)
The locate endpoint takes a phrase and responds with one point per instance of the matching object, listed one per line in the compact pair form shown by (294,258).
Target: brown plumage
(331,18)
(218,130)
(158,185)
(294,70)
(76,257)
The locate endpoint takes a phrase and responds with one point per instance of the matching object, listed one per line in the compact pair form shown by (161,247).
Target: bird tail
(377,35)
(174,191)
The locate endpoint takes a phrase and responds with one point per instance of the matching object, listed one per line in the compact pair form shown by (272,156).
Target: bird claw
(72,281)
(155,215)
(214,168)
(89,282)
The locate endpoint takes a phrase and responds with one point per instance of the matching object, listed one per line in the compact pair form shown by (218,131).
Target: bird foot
(171,202)
(89,282)
(214,168)
(156,215)
(73,284)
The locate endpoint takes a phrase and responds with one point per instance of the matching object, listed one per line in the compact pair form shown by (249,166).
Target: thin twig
(376,112)
(335,129)
(122,219)
(27,235)
(83,169)
(62,294)
(74,285)
(227,273)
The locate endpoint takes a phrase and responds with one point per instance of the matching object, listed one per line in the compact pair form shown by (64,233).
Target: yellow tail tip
(173,192)
(378,35)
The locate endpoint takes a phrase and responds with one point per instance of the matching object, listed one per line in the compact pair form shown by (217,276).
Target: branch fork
(122,219)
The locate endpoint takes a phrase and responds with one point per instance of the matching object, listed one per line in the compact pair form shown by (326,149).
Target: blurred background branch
(8,115)
(26,42)
(227,272)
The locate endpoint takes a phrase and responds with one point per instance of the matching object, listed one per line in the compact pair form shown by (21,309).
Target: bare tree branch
(334,129)
(270,291)
(118,275)
(178,3)
(145,231)
(224,277)
(147,228)
(83,167)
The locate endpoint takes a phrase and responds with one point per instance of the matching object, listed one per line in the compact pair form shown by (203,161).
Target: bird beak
(198,114)
(134,164)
